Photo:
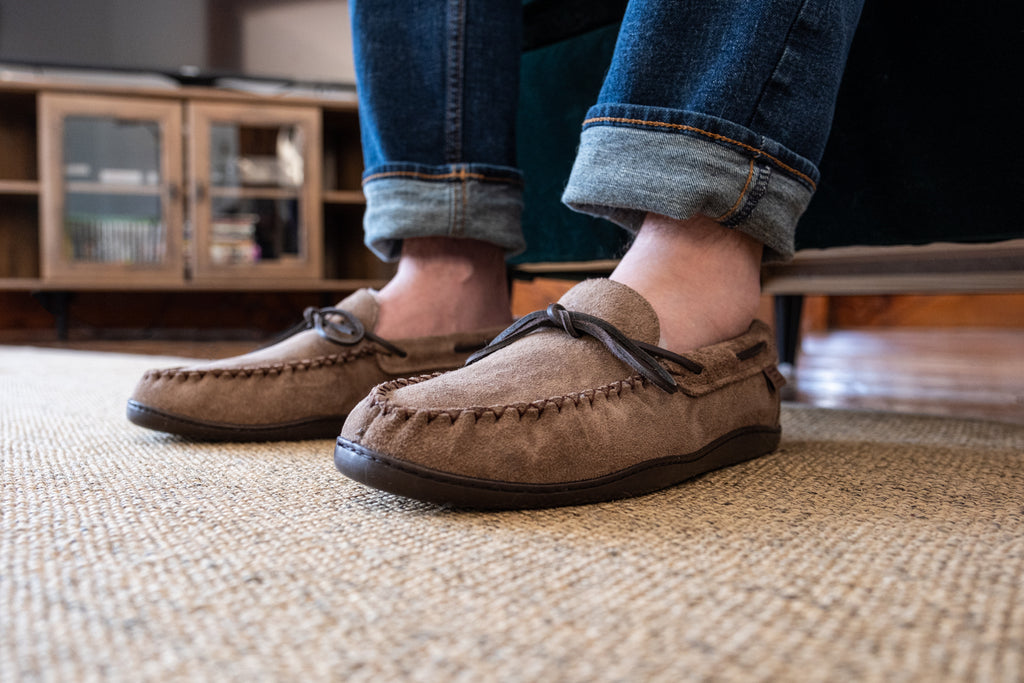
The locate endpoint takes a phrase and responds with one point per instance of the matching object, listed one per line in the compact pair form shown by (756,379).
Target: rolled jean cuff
(634,160)
(472,201)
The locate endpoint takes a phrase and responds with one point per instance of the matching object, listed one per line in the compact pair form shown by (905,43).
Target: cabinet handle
(173,192)
(200,193)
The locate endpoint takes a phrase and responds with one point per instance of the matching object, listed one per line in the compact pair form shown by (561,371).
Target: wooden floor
(973,373)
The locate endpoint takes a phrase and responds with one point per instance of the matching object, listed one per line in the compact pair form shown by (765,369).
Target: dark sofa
(925,150)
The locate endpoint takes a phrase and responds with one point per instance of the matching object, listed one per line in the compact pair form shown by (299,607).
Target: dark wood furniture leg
(788,309)
(57,304)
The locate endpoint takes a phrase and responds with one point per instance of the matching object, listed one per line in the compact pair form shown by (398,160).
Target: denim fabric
(467,201)
(623,172)
(720,107)
(438,88)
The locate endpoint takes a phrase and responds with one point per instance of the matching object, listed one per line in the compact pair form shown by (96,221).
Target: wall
(105,32)
(270,33)
(302,39)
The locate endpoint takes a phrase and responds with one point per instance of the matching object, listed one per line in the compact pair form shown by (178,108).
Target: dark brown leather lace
(640,356)
(339,327)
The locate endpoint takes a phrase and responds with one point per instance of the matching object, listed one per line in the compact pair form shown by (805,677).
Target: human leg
(703,280)
(445,285)
(710,164)
(443,195)
(721,111)
(443,198)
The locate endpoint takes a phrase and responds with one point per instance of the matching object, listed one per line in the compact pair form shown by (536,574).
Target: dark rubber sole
(151,418)
(421,483)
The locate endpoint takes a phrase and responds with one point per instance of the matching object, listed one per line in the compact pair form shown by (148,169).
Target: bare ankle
(445,285)
(702,279)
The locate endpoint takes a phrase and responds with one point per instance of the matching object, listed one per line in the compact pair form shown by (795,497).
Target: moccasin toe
(302,387)
(567,411)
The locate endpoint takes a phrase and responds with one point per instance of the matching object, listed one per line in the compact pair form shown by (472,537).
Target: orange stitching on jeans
(463,217)
(743,193)
(461,175)
(715,136)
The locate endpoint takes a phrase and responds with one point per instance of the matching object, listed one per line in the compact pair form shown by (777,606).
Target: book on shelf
(135,240)
(233,239)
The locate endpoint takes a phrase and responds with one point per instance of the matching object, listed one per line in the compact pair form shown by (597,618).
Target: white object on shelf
(77,171)
(256,170)
(121,176)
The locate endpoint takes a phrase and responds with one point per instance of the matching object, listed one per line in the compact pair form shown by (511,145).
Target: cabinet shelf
(113,189)
(68,164)
(251,192)
(19,187)
(263,284)
(344,197)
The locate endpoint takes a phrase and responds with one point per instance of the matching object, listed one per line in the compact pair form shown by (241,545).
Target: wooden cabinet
(111,181)
(112,188)
(255,191)
(19,188)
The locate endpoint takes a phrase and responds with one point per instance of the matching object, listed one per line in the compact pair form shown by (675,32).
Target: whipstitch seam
(381,401)
(249,371)
(558,402)
(714,136)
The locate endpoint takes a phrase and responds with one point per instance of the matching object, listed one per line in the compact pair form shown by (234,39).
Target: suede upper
(552,408)
(299,378)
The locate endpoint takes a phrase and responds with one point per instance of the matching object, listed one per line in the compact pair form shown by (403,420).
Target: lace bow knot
(640,356)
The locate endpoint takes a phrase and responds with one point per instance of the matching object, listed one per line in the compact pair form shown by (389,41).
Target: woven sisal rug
(870,547)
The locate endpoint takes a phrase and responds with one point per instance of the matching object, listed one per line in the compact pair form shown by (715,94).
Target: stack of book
(233,239)
(115,239)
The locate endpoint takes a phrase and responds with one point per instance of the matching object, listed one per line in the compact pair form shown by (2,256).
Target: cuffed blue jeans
(713,107)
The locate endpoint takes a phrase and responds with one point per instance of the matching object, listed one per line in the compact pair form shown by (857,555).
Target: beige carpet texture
(870,547)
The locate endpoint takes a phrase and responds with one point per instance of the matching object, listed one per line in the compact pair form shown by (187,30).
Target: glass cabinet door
(256,192)
(111,188)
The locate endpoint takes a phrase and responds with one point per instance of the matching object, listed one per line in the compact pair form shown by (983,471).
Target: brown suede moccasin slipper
(570,405)
(299,388)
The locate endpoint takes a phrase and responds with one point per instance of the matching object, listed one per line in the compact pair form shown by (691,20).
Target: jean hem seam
(757,191)
(739,200)
(760,154)
(452,177)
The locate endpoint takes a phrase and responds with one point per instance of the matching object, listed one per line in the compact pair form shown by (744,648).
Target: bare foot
(702,279)
(444,285)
